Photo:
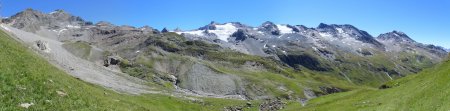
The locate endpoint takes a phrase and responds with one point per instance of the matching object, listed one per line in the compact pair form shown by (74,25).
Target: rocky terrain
(327,48)
(229,60)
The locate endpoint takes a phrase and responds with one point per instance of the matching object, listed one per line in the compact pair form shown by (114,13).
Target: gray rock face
(240,35)
(397,41)
(272,105)
(202,79)
(327,42)
(330,90)
(343,31)
(395,36)
(309,94)
(32,20)
(111,60)
(270,28)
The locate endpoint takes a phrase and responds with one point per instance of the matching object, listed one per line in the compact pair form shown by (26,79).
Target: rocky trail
(77,67)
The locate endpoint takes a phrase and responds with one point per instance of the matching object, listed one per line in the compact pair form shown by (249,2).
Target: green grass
(267,81)
(426,91)
(295,82)
(27,78)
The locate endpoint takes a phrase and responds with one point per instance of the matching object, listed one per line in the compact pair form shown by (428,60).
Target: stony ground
(78,67)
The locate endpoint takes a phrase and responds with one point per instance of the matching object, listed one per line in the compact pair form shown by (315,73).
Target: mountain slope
(28,78)
(174,63)
(326,48)
(233,60)
(426,91)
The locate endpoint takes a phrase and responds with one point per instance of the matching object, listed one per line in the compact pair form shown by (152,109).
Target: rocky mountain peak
(30,10)
(268,24)
(104,23)
(210,26)
(395,36)
(334,28)
(164,30)
(348,31)
(29,13)
(147,29)
(32,20)
(58,11)
(324,26)
(63,16)
(178,29)
(269,27)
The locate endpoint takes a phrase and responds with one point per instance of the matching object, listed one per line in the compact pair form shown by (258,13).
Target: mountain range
(224,60)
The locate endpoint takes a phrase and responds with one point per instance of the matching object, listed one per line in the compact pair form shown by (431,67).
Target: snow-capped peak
(224,31)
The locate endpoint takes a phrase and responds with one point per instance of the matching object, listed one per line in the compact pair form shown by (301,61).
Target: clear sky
(426,21)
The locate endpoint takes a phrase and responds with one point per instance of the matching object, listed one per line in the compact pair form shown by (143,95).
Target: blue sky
(426,21)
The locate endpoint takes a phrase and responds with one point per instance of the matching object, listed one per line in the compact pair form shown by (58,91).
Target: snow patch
(396,34)
(223,32)
(314,48)
(284,29)
(53,12)
(72,26)
(195,32)
(61,31)
(325,34)
(340,30)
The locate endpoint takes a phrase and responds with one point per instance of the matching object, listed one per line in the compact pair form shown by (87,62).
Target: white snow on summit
(284,29)
(340,30)
(224,31)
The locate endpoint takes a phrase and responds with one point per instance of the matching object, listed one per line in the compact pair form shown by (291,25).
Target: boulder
(42,45)
(111,60)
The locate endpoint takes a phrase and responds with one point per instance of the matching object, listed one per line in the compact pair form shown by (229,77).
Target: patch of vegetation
(426,91)
(79,48)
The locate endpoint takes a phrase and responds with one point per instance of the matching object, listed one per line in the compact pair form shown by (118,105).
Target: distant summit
(396,36)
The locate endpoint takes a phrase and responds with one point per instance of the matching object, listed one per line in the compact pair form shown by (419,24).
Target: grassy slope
(27,78)
(426,91)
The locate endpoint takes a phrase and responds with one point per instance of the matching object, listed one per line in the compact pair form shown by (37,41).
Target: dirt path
(81,68)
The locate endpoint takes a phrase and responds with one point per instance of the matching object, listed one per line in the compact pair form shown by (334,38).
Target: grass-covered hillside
(426,91)
(258,77)
(28,80)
